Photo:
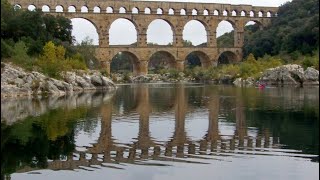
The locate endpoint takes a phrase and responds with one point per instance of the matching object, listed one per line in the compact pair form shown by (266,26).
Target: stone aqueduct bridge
(176,14)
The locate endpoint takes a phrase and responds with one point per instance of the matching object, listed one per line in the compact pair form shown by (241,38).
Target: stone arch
(84,9)
(194,12)
(72,8)
(17,6)
(206,12)
(119,62)
(197,58)
(162,30)
(243,13)
(159,11)
(216,12)
(251,13)
(183,12)
(251,22)
(45,8)
(234,13)
(225,26)
(260,14)
(161,60)
(124,20)
(32,7)
(227,57)
(269,14)
(109,9)
(82,32)
(171,11)
(96,9)
(147,10)
(135,10)
(225,13)
(122,10)
(199,22)
(59,8)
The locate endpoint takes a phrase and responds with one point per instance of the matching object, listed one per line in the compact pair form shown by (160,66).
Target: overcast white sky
(123,32)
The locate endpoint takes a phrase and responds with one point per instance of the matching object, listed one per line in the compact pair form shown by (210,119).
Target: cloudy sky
(123,32)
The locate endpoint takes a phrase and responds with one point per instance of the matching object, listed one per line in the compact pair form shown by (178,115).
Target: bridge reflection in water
(180,147)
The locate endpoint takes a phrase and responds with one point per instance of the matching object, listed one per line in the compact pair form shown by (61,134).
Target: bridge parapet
(154,7)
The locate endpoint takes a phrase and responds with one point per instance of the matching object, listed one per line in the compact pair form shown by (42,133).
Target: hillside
(294,31)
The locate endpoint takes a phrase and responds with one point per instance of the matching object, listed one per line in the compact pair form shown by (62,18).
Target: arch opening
(124,62)
(253,26)
(194,12)
(109,10)
(84,34)
(118,28)
(31,7)
(268,14)
(135,10)
(71,9)
(84,9)
(243,13)
(96,9)
(216,13)
(17,7)
(194,34)
(45,8)
(251,14)
(197,59)
(183,12)
(234,13)
(171,11)
(227,57)
(205,12)
(59,8)
(225,35)
(159,11)
(161,60)
(147,10)
(260,14)
(225,13)
(122,10)
(159,36)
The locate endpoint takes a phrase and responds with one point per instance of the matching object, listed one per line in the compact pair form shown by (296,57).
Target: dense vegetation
(296,29)
(42,42)
(293,35)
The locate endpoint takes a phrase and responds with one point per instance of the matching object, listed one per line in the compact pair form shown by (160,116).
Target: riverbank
(290,74)
(15,82)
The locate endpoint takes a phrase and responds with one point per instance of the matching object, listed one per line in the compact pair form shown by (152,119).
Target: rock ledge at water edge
(17,82)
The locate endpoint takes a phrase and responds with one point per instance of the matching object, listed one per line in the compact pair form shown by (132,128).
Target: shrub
(52,61)
(173,73)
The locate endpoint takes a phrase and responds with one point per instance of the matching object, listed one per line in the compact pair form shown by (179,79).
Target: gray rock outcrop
(291,74)
(17,82)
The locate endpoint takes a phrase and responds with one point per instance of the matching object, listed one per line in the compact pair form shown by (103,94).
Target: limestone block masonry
(176,14)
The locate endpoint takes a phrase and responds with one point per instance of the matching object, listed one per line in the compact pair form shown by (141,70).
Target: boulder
(96,80)
(311,76)
(291,74)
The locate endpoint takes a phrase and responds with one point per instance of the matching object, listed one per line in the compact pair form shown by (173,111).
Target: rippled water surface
(163,132)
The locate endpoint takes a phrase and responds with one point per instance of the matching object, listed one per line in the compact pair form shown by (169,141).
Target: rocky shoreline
(291,75)
(285,75)
(16,82)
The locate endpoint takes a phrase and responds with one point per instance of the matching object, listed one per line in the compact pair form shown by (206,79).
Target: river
(163,131)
